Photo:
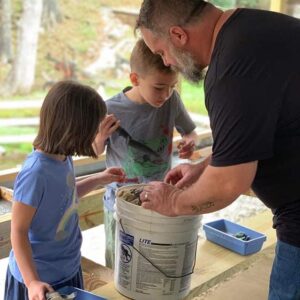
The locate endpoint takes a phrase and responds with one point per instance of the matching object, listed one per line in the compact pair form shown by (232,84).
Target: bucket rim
(144,211)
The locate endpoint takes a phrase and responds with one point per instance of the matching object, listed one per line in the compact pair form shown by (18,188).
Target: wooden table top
(214,263)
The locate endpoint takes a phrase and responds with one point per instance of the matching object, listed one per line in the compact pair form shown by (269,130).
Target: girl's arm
(90,183)
(20,223)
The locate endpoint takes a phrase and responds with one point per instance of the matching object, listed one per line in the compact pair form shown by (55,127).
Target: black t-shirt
(252,91)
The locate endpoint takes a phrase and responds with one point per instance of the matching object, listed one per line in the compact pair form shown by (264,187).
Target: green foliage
(248,3)
(224,3)
(193,97)
(76,38)
(19,148)
(89,32)
(19,113)
(14,155)
(17,8)
(11,130)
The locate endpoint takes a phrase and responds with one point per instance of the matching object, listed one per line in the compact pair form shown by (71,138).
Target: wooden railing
(90,210)
(91,206)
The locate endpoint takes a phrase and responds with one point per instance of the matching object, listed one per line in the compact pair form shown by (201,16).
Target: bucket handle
(158,268)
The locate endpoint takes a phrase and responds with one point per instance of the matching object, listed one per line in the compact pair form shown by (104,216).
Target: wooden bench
(95,275)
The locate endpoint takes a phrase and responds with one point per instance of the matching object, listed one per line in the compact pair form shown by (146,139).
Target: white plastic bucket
(155,254)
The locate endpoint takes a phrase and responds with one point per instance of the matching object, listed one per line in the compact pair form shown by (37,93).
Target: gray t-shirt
(150,126)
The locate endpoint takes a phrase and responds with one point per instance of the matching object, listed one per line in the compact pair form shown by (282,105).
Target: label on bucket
(146,278)
(125,262)
(168,258)
(155,254)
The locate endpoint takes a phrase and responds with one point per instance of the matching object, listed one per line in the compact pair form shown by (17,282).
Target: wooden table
(214,263)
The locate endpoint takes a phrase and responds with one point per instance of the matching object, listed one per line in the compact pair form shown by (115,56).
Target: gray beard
(187,66)
(193,75)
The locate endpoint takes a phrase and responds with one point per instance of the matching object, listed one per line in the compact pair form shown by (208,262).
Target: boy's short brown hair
(69,119)
(143,61)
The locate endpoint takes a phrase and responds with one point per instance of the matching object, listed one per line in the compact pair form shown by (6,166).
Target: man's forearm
(215,189)
(191,202)
(206,161)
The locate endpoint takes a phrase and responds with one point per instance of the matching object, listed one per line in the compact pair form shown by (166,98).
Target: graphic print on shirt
(61,232)
(139,164)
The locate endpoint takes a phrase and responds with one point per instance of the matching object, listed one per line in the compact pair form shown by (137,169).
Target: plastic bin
(222,233)
(80,294)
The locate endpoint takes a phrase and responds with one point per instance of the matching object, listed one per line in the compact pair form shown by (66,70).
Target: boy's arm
(99,145)
(192,136)
(106,128)
(22,216)
(186,127)
(188,144)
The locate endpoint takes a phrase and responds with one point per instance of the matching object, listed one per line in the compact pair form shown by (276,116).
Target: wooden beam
(90,215)
(5,244)
(7,177)
(6,193)
(277,5)
(95,275)
(91,209)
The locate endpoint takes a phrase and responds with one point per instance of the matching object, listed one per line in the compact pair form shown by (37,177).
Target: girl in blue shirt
(45,235)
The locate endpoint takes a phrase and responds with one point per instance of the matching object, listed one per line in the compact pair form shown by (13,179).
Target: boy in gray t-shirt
(148,111)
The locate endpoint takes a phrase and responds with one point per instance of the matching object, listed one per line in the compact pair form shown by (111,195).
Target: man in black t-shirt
(252,94)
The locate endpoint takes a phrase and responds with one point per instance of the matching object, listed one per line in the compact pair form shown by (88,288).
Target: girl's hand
(38,289)
(113,174)
(186,148)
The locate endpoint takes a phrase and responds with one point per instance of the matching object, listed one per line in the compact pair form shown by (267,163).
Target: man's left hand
(160,197)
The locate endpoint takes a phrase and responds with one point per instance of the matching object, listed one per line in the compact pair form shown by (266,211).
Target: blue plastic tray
(81,294)
(222,233)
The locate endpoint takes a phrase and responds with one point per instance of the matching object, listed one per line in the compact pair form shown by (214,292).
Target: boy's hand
(108,126)
(186,148)
(38,289)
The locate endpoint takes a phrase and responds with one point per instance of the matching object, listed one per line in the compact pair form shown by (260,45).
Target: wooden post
(277,5)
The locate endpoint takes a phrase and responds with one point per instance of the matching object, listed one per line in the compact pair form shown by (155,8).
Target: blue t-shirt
(49,186)
(150,126)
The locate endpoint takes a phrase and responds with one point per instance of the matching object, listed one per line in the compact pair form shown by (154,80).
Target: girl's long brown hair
(69,120)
